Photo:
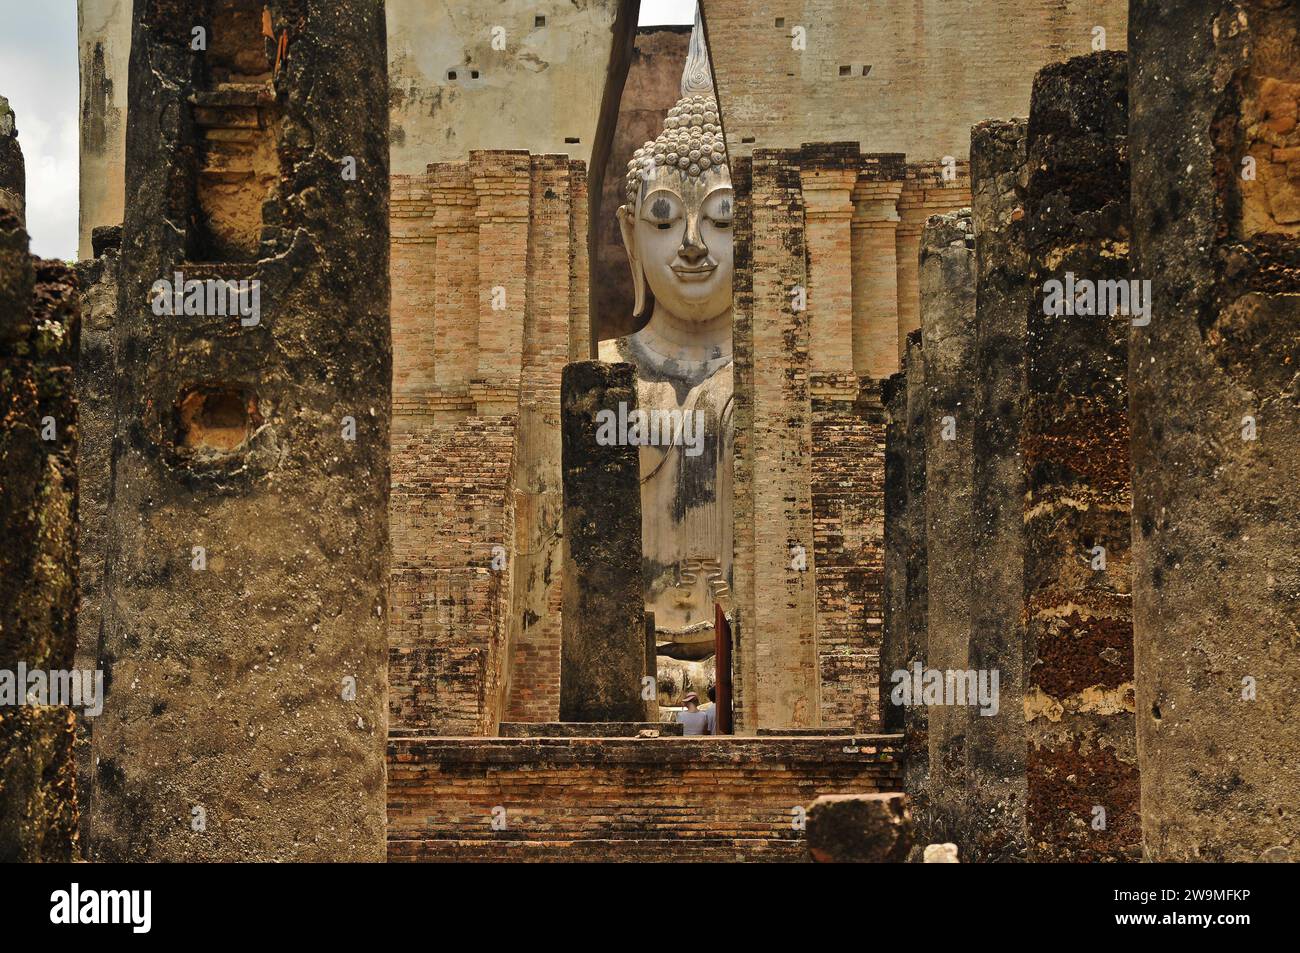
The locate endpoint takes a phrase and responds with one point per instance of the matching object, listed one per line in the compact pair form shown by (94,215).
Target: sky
(38,75)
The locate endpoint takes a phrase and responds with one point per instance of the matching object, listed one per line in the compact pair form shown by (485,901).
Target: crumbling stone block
(1081,770)
(860,828)
(1213,397)
(603,648)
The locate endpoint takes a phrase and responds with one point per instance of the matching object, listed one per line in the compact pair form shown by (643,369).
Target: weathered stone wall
(515,74)
(97,279)
(39,324)
(901,77)
(247,575)
(993,827)
(623,799)
(103,52)
(948,330)
(1216,427)
(1082,769)
(604,651)
(489,303)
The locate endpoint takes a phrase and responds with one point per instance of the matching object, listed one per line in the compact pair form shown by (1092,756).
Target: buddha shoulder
(615,351)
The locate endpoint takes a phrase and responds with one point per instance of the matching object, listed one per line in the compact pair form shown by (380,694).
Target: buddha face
(678,239)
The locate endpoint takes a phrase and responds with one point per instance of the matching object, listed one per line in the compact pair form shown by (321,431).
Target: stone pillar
(1216,428)
(893,650)
(876,350)
(916,721)
(96,373)
(1082,772)
(995,742)
(948,328)
(13,172)
(38,549)
(603,646)
(247,577)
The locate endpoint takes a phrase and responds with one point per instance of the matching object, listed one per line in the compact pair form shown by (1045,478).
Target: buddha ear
(627,226)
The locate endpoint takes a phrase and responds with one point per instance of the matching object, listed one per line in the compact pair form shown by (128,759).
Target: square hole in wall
(473,74)
(866,70)
(780,21)
(539,21)
(846,70)
(451,74)
(746,139)
(572,139)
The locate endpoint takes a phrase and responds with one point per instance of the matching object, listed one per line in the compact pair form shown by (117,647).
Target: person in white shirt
(694,721)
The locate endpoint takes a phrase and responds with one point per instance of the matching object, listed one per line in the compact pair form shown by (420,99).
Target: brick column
(1075,441)
(876,348)
(502,185)
(827,174)
(773,455)
(907,245)
(1216,428)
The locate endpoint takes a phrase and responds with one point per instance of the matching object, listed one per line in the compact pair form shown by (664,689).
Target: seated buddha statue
(676,228)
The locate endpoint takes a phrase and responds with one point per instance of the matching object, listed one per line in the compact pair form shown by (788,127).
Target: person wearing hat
(694,721)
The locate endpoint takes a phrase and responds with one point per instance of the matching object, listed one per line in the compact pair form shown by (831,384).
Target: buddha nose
(692,248)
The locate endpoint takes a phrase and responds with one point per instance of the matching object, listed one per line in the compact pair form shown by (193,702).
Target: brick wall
(489,262)
(809,467)
(898,77)
(620,798)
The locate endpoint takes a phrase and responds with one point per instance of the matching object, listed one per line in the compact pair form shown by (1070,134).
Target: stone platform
(621,799)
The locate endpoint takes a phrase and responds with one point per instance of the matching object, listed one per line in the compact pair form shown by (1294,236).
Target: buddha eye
(662,225)
(722,223)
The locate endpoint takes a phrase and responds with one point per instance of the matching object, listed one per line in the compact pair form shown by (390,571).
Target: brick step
(643,850)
